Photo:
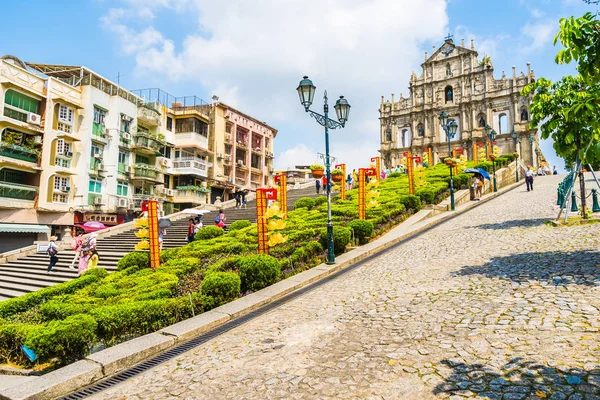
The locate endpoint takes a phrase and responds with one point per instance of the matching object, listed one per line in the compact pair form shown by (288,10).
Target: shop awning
(24,228)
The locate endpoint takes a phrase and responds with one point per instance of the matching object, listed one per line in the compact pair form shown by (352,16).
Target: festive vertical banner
(377,161)
(426,158)
(283,194)
(153,234)
(489,150)
(262,197)
(430,153)
(362,190)
(455,167)
(410,171)
(475,153)
(343,183)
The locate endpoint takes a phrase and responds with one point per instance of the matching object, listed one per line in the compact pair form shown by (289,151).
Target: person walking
(349,182)
(318,185)
(220,220)
(161,237)
(198,224)
(191,230)
(244,201)
(76,246)
(354,177)
(554,171)
(238,199)
(529,178)
(84,260)
(476,191)
(52,252)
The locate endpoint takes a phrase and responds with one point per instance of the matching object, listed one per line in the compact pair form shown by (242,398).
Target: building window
(65,114)
(388,134)
(502,124)
(61,183)
(125,124)
(62,147)
(524,115)
(122,157)
(406,138)
(99,116)
(142,159)
(170,124)
(122,188)
(448,70)
(449,94)
(21,101)
(421,130)
(95,185)
(96,156)
(165,151)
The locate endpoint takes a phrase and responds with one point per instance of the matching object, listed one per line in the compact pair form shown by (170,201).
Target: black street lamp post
(450,127)
(515,137)
(306,91)
(491,133)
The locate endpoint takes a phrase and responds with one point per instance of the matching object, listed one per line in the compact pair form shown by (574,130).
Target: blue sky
(253,53)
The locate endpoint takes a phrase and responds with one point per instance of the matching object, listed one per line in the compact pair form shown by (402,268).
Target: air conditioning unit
(101,167)
(240,163)
(122,203)
(98,156)
(131,205)
(125,118)
(38,140)
(34,119)
(170,192)
(98,201)
(127,136)
(129,169)
(69,154)
(220,156)
(160,191)
(165,162)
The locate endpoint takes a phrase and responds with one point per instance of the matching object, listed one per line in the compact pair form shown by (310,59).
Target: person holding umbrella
(163,224)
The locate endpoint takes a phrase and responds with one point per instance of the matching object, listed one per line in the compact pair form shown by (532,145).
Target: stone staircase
(28,273)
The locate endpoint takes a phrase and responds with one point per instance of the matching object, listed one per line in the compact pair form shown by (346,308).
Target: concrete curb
(125,355)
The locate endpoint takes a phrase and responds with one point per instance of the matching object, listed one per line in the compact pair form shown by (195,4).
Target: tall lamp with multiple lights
(515,138)
(450,127)
(306,91)
(491,134)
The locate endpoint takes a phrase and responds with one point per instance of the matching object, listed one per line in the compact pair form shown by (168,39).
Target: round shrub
(411,202)
(229,264)
(258,271)
(242,223)
(68,339)
(223,287)
(320,200)
(209,232)
(395,175)
(137,260)
(363,230)
(306,202)
(341,238)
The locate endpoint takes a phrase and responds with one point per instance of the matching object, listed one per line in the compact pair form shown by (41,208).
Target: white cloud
(539,34)
(254,54)
(297,155)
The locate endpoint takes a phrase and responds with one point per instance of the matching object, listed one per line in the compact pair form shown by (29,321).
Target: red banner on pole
(411,173)
(153,233)
(343,183)
(261,222)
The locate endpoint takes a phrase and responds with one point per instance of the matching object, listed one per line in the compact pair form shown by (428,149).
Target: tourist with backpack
(52,252)
(76,245)
(318,185)
(220,219)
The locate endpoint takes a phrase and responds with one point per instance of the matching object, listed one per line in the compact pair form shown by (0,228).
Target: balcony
(98,133)
(14,114)
(241,145)
(146,172)
(146,143)
(190,167)
(227,159)
(228,138)
(123,169)
(191,139)
(257,151)
(241,166)
(149,113)
(240,181)
(19,152)
(268,154)
(191,194)
(92,199)
(17,191)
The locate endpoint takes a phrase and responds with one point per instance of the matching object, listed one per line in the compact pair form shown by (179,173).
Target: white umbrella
(195,212)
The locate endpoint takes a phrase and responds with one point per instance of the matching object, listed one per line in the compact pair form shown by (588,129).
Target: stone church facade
(455,81)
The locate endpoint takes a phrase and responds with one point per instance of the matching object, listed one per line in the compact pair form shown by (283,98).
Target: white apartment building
(76,147)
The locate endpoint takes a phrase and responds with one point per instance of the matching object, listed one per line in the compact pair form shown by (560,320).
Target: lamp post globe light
(491,133)
(450,128)
(306,92)
(515,138)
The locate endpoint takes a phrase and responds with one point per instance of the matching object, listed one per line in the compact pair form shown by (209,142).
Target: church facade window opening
(449,94)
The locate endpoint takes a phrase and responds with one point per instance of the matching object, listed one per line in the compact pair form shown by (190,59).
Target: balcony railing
(150,113)
(148,142)
(122,168)
(197,167)
(145,171)
(17,191)
(14,114)
(240,181)
(191,139)
(19,152)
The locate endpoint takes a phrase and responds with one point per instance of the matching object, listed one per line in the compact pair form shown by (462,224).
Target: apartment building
(76,147)
(216,149)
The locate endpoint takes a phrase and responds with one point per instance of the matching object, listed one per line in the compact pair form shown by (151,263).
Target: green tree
(569,109)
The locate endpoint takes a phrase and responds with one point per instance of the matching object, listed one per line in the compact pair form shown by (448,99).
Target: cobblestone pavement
(493,304)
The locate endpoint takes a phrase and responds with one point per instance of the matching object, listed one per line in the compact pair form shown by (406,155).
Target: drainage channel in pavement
(192,343)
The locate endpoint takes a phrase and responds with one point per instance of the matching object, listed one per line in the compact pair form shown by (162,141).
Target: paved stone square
(493,304)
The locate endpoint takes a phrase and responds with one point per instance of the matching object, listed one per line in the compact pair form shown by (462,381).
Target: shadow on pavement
(552,267)
(517,223)
(518,379)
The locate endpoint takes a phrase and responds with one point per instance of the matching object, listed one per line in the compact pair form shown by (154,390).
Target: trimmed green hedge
(304,202)
(239,224)
(209,232)
(258,271)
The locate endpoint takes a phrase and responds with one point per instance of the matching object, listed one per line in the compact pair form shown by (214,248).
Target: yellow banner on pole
(343,183)
(377,161)
(153,231)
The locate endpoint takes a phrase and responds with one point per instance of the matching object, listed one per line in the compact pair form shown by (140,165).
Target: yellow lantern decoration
(275,218)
